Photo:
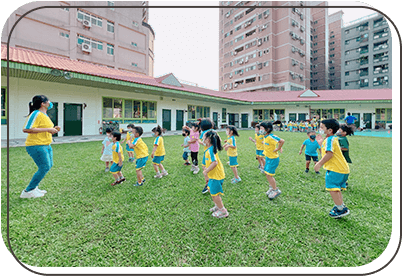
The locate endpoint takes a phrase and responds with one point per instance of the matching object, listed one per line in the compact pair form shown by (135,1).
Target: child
(194,146)
(206,124)
(311,150)
(337,169)
(342,134)
(158,152)
(215,172)
(107,149)
(258,141)
(230,147)
(129,138)
(185,145)
(272,145)
(118,158)
(141,150)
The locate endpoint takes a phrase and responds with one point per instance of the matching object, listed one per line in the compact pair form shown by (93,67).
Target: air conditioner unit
(241,61)
(302,29)
(86,47)
(259,43)
(292,62)
(230,76)
(264,26)
(293,49)
(385,78)
(235,85)
(246,60)
(235,52)
(227,15)
(245,25)
(241,73)
(266,15)
(87,23)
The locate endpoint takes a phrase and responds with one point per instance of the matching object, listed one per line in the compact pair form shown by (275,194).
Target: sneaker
(187,163)
(31,194)
(234,181)
(306,170)
(336,213)
(164,173)
(220,213)
(214,209)
(158,175)
(274,193)
(143,180)
(137,184)
(261,170)
(317,172)
(346,185)
(193,168)
(205,189)
(122,180)
(270,189)
(107,169)
(41,190)
(196,170)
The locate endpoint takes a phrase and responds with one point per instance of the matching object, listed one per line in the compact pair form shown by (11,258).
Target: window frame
(4,118)
(203,110)
(123,118)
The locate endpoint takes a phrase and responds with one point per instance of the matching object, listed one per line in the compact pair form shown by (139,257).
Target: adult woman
(40,129)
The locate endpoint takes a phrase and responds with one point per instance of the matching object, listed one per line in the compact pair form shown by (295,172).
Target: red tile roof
(25,56)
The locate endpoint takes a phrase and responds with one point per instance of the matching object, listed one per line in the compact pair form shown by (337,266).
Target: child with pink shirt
(194,146)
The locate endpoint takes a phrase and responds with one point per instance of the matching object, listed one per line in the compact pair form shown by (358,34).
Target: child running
(206,124)
(342,134)
(272,144)
(336,167)
(215,172)
(141,150)
(118,158)
(194,145)
(158,152)
(129,138)
(230,147)
(107,149)
(185,145)
(311,150)
(259,142)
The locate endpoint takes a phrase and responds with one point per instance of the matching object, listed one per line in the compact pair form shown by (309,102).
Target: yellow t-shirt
(271,143)
(38,119)
(116,149)
(218,172)
(337,163)
(259,142)
(140,148)
(129,137)
(232,152)
(160,148)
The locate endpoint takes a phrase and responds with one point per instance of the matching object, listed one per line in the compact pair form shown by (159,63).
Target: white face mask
(130,130)
(321,132)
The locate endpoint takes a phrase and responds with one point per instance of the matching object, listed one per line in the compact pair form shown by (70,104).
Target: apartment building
(335,26)
(264,49)
(115,37)
(366,53)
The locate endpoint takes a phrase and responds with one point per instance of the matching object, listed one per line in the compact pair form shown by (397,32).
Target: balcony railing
(382,46)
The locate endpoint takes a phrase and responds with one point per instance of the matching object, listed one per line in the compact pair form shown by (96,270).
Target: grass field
(83,221)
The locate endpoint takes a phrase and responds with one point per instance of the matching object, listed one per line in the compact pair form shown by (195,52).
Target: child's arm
(120,159)
(302,148)
(324,159)
(103,148)
(252,140)
(211,167)
(154,149)
(280,144)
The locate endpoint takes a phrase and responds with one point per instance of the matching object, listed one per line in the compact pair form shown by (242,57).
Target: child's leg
(139,176)
(337,197)
(235,170)
(307,164)
(218,201)
(272,181)
(161,167)
(116,176)
(156,168)
(262,162)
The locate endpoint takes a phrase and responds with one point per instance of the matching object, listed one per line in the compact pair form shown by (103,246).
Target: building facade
(366,50)
(114,37)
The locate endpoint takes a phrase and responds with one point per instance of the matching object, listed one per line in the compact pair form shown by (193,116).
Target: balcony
(381,46)
(380,23)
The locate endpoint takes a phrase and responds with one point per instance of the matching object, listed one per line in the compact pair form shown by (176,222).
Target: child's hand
(281,150)
(152,155)
(225,141)
(300,152)
(181,145)
(205,172)
(251,139)
(317,167)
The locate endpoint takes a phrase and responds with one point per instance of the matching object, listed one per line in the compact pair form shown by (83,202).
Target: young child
(215,172)
(342,134)
(129,138)
(311,150)
(118,158)
(272,144)
(185,145)
(206,124)
(194,145)
(336,167)
(107,149)
(158,152)
(141,150)
(230,147)
(259,142)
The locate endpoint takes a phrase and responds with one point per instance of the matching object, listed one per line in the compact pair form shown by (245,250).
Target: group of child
(301,126)
(334,150)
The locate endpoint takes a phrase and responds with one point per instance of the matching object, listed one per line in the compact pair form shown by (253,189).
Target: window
(65,9)
(261,115)
(96,21)
(239,38)
(347,73)
(94,43)
(224,115)
(383,115)
(110,26)
(64,35)
(110,49)
(111,3)
(134,64)
(3,106)
(129,110)
(195,112)
(134,44)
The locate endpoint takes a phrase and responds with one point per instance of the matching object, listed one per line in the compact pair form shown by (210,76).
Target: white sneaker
(196,170)
(270,189)
(193,168)
(164,173)
(158,175)
(41,190)
(31,194)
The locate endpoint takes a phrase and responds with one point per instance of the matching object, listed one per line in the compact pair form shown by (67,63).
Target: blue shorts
(259,153)
(185,155)
(215,187)
(335,181)
(271,166)
(140,163)
(158,159)
(128,148)
(115,168)
(233,161)
(308,158)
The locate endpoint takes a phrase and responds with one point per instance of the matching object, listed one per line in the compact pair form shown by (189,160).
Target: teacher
(40,129)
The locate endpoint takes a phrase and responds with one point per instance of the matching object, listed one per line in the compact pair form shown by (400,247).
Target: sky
(186,40)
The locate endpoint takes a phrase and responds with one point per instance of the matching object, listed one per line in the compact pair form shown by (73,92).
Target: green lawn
(83,221)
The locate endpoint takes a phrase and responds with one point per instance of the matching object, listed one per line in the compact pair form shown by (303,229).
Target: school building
(86,95)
